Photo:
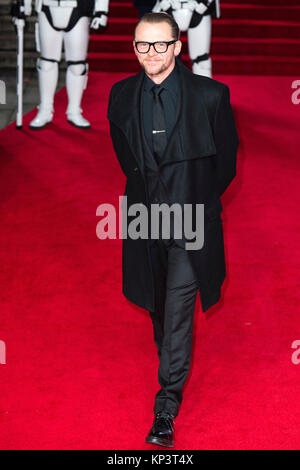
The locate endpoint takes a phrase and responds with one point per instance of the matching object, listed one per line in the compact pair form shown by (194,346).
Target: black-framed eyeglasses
(159,46)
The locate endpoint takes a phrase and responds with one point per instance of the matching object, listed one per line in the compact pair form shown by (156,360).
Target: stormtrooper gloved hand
(100,14)
(99,20)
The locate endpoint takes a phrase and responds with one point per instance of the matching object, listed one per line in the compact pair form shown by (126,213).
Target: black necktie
(159,133)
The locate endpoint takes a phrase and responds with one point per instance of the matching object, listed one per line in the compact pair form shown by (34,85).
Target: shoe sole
(79,127)
(159,442)
(36,128)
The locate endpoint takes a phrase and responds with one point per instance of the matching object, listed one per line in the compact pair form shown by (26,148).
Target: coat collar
(192,119)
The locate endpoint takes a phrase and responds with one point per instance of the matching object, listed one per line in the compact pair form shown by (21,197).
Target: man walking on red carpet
(175,138)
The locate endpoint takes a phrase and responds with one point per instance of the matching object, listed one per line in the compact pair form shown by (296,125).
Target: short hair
(160,17)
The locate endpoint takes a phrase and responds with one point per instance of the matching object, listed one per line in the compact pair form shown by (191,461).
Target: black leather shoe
(162,431)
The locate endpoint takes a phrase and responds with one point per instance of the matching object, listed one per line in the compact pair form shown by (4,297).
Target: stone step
(9,60)
(6,24)
(5,6)
(8,42)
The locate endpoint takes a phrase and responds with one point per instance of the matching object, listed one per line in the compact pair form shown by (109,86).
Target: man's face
(154,63)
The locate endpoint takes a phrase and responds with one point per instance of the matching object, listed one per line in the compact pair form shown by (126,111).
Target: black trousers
(172,321)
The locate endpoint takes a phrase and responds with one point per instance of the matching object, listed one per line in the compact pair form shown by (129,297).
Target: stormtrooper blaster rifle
(19,9)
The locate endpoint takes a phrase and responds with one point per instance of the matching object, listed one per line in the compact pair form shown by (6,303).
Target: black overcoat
(198,165)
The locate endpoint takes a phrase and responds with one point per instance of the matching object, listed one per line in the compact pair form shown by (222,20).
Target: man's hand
(99,20)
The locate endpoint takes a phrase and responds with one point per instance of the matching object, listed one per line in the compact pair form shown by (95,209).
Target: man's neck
(161,77)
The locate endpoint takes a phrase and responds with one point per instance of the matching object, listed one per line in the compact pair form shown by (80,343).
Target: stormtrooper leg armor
(49,44)
(55,29)
(76,46)
(76,82)
(48,76)
(199,40)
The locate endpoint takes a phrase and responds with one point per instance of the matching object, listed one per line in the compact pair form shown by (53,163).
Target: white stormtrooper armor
(64,22)
(194,16)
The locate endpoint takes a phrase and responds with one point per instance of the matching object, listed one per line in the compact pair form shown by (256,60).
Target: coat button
(136,169)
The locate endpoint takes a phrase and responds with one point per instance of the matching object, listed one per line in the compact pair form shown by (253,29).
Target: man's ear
(178,46)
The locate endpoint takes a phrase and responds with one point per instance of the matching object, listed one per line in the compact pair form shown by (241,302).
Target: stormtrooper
(64,22)
(194,16)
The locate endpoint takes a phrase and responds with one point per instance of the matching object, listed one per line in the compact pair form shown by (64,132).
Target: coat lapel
(192,124)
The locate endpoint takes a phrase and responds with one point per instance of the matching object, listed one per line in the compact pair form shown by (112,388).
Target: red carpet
(81,367)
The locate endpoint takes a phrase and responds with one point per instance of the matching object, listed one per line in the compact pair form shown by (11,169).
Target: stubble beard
(154,72)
